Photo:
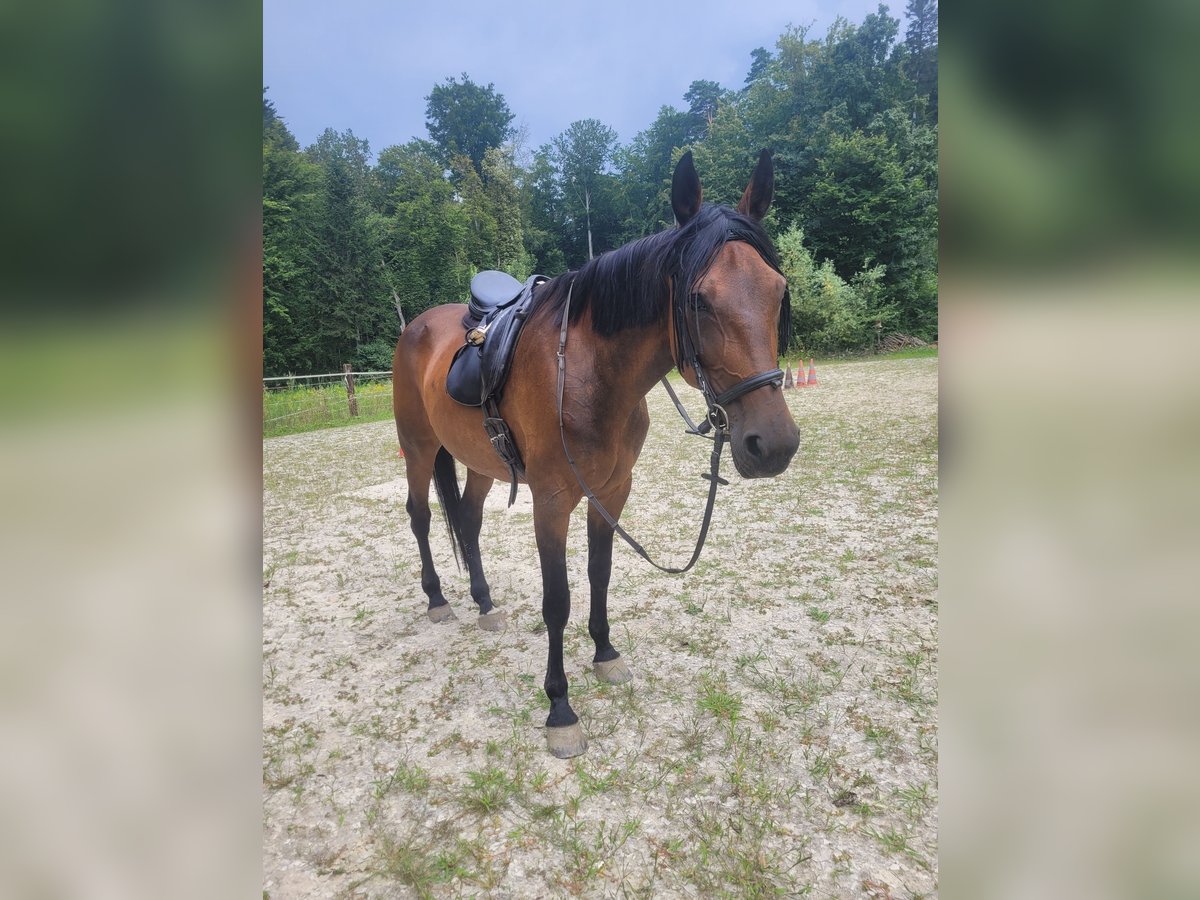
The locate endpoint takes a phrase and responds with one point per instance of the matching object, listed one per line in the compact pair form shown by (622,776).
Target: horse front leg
(564,734)
(607,665)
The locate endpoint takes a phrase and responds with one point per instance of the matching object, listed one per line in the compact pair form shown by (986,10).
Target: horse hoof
(442,613)
(613,671)
(566,741)
(493,621)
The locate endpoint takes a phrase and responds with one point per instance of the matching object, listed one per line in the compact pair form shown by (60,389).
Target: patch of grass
(818,615)
(590,784)
(915,800)
(718,700)
(488,791)
(298,408)
(405,777)
(414,863)
(289,755)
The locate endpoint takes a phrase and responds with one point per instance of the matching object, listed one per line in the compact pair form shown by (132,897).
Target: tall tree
(646,166)
(869,208)
(290,185)
(703,98)
(504,203)
(921,42)
(465,118)
(760,59)
(424,255)
(350,298)
(583,153)
(544,213)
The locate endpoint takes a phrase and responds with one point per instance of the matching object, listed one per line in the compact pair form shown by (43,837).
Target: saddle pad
(479,372)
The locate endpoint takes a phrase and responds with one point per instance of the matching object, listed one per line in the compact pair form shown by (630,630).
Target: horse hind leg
(476,491)
(419,470)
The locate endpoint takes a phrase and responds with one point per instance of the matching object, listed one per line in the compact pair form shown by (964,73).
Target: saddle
(495,317)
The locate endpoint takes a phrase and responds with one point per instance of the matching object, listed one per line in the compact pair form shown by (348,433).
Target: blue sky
(367,65)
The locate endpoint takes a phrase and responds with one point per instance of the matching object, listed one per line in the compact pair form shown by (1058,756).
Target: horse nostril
(754,446)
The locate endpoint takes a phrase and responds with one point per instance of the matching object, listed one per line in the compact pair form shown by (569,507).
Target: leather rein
(716,420)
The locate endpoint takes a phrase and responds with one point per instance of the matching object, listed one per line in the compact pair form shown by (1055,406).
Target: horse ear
(757,199)
(685,190)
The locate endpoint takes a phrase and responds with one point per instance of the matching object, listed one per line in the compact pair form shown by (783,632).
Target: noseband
(716,420)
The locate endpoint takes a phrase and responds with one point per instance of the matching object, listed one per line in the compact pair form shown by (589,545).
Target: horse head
(732,317)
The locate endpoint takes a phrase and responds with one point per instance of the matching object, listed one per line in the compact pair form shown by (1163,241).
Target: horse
(706,297)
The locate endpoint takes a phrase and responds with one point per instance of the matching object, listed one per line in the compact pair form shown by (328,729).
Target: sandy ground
(780,732)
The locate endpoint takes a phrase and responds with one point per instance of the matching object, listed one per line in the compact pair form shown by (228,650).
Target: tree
(290,186)
(869,208)
(645,167)
(426,229)
(726,158)
(466,119)
(503,198)
(582,153)
(760,59)
(703,98)
(544,213)
(855,143)
(921,42)
(350,302)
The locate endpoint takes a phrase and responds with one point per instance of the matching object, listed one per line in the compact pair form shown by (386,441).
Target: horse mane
(628,287)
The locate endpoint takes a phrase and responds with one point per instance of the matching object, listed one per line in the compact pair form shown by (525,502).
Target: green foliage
(851,118)
(466,119)
(297,408)
(646,166)
(581,156)
(830,314)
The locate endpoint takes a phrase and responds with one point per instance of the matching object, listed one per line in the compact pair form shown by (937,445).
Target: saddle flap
(464,381)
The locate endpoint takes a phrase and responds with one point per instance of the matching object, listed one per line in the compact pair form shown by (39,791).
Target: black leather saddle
(494,320)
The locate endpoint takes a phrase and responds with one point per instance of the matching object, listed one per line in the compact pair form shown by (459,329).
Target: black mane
(628,287)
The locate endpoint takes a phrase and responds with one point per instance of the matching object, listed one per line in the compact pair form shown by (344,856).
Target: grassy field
(301,408)
(780,733)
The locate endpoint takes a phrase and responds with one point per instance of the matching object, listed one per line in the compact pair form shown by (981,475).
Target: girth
(481,366)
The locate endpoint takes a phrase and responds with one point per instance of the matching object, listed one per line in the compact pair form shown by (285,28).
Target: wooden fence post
(350,398)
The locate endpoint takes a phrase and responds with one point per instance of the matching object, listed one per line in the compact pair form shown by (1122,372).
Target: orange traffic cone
(788,384)
(401,452)
(800,382)
(812,372)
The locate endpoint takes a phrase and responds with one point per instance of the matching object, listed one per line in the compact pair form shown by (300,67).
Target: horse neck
(632,361)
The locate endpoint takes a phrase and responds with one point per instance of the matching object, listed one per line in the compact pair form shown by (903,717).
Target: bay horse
(706,297)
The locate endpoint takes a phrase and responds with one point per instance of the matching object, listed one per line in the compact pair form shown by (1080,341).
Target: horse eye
(699,305)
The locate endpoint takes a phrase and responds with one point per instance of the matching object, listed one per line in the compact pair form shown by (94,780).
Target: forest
(351,240)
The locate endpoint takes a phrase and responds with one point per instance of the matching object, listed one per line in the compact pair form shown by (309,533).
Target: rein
(716,420)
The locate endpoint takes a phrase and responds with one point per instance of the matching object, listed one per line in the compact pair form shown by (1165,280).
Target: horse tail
(445,482)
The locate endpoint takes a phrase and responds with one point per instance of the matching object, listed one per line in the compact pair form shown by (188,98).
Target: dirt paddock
(779,736)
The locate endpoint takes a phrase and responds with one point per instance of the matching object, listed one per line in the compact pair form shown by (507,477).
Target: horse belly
(460,430)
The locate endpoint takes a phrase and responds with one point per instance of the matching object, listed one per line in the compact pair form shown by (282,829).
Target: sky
(368,65)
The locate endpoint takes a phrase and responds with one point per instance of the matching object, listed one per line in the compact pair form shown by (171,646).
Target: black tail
(445,482)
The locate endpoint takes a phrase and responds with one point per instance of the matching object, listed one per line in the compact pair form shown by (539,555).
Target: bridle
(685,353)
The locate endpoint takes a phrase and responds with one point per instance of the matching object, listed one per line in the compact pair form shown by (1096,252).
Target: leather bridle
(685,352)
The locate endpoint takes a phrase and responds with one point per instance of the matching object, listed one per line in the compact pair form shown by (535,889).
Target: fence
(293,403)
